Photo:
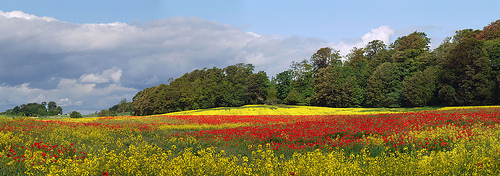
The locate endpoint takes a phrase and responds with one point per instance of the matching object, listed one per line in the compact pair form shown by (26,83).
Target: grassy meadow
(259,140)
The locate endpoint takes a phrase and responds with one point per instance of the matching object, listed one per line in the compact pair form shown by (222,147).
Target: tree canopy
(35,109)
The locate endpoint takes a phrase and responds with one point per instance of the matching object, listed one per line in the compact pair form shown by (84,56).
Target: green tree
(212,88)
(302,80)
(31,109)
(356,58)
(384,87)
(490,32)
(335,86)
(416,40)
(122,106)
(144,103)
(59,110)
(283,84)
(52,105)
(493,49)
(294,97)
(272,94)
(52,108)
(234,84)
(75,114)
(256,87)
(16,111)
(325,57)
(497,89)
(420,89)
(467,69)
(448,94)
(374,47)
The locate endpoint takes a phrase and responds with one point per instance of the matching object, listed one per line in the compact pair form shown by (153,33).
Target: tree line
(35,109)
(463,70)
(122,108)
(234,85)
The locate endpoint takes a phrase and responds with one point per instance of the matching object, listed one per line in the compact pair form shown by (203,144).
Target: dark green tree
(384,86)
(294,97)
(75,114)
(234,84)
(490,32)
(416,41)
(283,84)
(420,89)
(256,87)
(302,76)
(374,47)
(52,105)
(467,69)
(335,86)
(122,106)
(325,57)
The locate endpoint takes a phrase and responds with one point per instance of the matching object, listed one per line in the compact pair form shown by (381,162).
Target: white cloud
(22,15)
(383,33)
(113,74)
(92,78)
(93,66)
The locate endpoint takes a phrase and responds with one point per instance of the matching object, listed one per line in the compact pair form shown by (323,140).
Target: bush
(75,114)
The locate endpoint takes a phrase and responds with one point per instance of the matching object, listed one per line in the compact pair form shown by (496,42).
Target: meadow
(259,140)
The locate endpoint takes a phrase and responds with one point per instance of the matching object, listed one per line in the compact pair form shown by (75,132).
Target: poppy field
(444,141)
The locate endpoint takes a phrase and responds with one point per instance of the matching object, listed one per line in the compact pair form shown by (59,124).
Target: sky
(88,55)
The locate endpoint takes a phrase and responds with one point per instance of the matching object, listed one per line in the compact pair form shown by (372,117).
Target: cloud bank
(88,67)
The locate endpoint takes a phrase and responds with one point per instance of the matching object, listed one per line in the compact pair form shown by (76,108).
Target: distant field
(307,110)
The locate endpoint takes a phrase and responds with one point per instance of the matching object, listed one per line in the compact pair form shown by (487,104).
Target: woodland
(462,70)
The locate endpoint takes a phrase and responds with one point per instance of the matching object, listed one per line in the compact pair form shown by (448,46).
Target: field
(258,140)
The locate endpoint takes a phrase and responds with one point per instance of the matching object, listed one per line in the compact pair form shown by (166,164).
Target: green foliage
(293,98)
(122,108)
(490,32)
(272,94)
(468,70)
(105,113)
(256,87)
(302,76)
(384,86)
(75,114)
(463,70)
(35,109)
(420,89)
(325,57)
(415,41)
(232,86)
(283,85)
(336,86)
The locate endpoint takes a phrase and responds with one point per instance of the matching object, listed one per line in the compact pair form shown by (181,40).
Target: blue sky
(330,20)
(87,55)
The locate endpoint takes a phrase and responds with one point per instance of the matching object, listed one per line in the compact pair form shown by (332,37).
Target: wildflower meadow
(258,140)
